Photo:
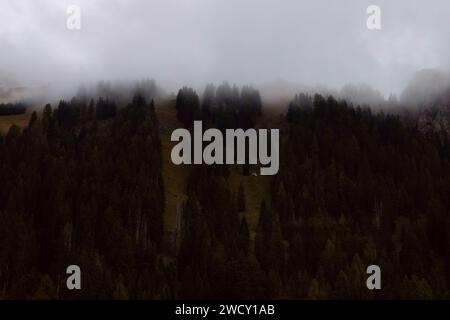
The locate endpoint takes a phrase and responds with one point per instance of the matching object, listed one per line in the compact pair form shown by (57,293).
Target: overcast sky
(192,42)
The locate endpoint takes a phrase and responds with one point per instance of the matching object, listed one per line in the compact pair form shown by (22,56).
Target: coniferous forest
(88,182)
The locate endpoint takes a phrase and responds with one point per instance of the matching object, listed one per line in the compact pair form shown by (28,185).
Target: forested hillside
(83,184)
(77,190)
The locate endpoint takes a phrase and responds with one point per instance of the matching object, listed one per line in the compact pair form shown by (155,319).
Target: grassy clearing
(175,177)
(255,189)
(20,120)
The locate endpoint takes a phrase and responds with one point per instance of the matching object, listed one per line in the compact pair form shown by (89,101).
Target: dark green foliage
(230,107)
(241,198)
(8,109)
(82,192)
(82,185)
(188,106)
(356,189)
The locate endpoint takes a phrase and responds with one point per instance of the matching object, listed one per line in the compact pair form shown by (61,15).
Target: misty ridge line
(373,22)
(427,87)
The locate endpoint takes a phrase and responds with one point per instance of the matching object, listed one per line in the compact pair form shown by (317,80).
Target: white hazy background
(193,42)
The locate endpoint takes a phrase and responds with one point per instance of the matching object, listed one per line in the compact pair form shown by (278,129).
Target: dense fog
(273,45)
